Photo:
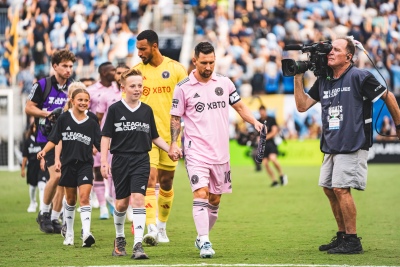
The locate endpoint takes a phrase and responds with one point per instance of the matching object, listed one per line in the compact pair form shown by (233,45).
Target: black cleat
(64,230)
(349,245)
(88,240)
(138,252)
(45,224)
(57,227)
(335,241)
(119,247)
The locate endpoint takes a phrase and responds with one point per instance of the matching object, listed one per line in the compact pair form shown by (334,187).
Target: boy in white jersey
(203,100)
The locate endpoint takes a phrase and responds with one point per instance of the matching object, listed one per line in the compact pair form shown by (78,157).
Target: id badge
(334,123)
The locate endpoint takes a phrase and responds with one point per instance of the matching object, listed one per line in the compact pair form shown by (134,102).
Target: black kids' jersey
(31,148)
(78,137)
(131,130)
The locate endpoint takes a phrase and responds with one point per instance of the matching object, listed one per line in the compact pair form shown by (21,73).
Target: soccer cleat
(32,207)
(275,184)
(64,230)
(206,250)
(104,213)
(57,227)
(88,240)
(151,237)
(45,224)
(284,179)
(39,217)
(138,252)
(335,241)
(198,245)
(119,247)
(69,239)
(349,245)
(162,236)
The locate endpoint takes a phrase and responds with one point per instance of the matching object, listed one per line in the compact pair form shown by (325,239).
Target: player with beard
(160,76)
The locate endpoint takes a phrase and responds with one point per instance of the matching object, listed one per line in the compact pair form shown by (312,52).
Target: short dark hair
(203,47)
(123,66)
(149,35)
(62,55)
(102,65)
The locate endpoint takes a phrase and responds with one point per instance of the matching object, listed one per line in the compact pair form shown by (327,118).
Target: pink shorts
(96,159)
(217,177)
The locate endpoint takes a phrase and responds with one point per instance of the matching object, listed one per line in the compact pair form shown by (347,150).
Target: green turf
(257,225)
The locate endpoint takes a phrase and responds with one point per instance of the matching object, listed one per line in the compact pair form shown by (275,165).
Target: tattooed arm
(174,150)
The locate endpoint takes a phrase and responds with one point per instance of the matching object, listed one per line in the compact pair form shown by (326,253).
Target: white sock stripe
(119,214)
(69,208)
(139,211)
(200,204)
(212,207)
(86,208)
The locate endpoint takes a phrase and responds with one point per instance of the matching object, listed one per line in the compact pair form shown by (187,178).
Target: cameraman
(346,102)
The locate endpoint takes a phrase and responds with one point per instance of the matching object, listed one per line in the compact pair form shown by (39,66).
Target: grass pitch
(256,225)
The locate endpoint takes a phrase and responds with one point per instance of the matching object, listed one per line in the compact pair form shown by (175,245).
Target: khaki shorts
(344,170)
(159,159)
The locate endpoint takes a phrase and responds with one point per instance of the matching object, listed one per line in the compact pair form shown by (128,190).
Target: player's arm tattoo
(175,127)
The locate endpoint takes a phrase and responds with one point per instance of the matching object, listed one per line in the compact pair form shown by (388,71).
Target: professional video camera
(318,62)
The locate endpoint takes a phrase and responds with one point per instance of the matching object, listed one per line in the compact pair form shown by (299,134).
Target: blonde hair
(71,88)
(128,73)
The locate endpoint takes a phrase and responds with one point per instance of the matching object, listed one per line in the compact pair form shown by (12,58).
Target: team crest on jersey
(194,179)
(165,74)
(146,91)
(199,107)
(219,91)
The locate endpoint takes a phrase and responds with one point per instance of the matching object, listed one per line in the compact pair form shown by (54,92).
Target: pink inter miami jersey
(106,100)
(96,91)
(205,112)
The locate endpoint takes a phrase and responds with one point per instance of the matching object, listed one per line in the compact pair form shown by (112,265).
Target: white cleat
(151,237)
(284,179)
(69,240)
(162,236)
(32,207)
(104,215)
(206,250)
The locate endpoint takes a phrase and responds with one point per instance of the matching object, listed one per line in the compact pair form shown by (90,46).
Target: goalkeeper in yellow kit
(160,76)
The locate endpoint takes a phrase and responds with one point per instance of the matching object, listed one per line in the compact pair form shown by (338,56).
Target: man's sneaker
(69,239)
(119,247)
(32,207)
(275,184)
(88,240)
(64,229)
(349,245)
(335,241)
(151,237)
(57,227)
(39,217)
(45,223)
(206,250)
(283,179)
(162,236)
(138,252)
(104,213)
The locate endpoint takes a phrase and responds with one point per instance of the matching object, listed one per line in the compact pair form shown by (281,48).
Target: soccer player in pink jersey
(203,100)
(105,85)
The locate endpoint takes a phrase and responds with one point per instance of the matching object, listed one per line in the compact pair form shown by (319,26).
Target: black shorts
(75,174)
(49,158)
(270,148)
(130,174)
(35,174)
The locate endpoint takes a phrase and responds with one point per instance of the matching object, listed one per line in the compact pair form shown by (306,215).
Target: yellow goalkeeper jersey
(158,89)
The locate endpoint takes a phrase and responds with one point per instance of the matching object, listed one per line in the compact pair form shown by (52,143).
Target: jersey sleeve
(178,102)
(372,89)
(36,93)
(234,96)
(108,124)
(153,126)
(55,134)
(181,72)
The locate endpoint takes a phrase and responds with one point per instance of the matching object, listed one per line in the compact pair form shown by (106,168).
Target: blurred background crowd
(249,36)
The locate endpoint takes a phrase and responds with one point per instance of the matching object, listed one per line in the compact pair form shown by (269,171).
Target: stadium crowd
(249,38)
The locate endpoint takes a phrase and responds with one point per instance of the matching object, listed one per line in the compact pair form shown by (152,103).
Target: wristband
(398,127)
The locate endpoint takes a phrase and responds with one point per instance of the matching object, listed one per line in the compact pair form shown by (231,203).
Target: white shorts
(344,170)
(217,177)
